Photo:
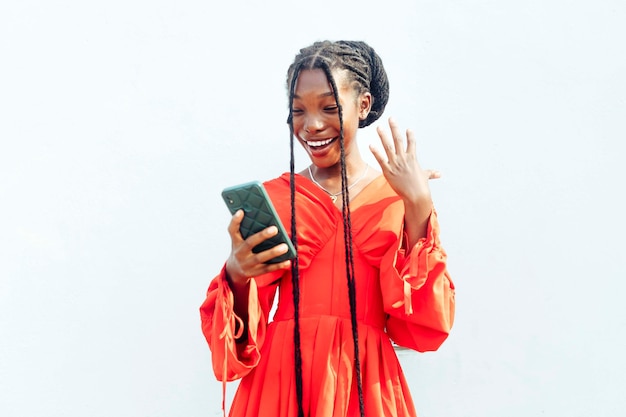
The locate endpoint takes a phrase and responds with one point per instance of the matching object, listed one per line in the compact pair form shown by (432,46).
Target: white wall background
(121,121)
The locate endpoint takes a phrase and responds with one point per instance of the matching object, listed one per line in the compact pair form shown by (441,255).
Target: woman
(370,269)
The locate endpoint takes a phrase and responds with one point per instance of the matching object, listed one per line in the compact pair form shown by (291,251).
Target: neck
(354,167)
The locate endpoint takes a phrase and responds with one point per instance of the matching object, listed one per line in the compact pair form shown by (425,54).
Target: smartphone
(259,213)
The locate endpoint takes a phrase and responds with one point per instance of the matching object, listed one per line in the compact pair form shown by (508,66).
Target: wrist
(422,203)
(416,218)
(235,281)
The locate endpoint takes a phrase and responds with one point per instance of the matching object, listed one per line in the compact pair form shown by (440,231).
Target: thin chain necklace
(333,196)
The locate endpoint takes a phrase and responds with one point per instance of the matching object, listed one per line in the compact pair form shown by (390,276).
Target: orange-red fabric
(403,294)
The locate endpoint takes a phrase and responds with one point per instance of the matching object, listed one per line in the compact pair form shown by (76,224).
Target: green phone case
(259,213)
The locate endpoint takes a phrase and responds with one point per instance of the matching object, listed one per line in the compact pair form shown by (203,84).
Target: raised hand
(400,166)
(407,178)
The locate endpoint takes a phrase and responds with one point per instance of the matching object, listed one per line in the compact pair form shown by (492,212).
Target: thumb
(433,174)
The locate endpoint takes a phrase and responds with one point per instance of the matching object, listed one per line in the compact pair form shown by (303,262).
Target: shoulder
(279,189)
(378,192)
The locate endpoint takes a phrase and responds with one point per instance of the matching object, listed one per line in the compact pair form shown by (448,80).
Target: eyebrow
(328,94)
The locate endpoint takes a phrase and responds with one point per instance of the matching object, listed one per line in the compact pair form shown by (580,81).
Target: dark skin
(316,126)
(243,263)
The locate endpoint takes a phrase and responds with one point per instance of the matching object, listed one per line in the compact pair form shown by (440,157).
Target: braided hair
(364,70)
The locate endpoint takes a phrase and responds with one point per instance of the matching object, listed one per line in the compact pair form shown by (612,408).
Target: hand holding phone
(259,214)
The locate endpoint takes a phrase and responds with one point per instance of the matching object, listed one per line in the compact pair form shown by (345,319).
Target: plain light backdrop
(121,121)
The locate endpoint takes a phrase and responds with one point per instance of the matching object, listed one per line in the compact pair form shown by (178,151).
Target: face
(316,116)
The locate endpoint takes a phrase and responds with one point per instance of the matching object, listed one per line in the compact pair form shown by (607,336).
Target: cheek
(350,130)
(297,126)
(296,132)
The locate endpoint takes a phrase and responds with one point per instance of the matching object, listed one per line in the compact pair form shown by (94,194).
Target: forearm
(416,216)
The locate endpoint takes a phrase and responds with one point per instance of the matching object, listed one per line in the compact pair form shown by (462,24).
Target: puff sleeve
(233,354)
(418,294)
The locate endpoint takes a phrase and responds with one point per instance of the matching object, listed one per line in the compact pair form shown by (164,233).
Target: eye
(296,111)
(331,109)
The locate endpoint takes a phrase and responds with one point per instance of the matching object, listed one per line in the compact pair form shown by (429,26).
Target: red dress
(403,294)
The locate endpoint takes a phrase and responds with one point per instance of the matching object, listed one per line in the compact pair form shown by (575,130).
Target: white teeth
(318,143)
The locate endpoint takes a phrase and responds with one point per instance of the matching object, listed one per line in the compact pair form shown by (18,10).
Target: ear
(365,105)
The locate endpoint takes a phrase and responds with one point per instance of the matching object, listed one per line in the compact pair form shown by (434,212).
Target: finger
(396,135)
(387,145)
(433,174)
(272,253)
(379,157)
(410,142)
(280,265)
(258,263)
(261,236)
(234,225)
(265,268)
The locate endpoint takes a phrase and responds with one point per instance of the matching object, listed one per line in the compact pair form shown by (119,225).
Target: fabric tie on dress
(416,271)
(231,320)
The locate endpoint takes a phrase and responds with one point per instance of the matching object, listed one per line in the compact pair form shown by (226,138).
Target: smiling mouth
(319,143)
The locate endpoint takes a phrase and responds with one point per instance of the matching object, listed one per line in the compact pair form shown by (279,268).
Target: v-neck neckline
(355,201)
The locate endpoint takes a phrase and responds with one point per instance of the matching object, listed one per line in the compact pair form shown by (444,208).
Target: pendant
(334,198)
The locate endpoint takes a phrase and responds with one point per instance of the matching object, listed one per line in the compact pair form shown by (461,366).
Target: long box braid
(366,69)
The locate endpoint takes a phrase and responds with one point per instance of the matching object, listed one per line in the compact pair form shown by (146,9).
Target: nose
(313,123)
